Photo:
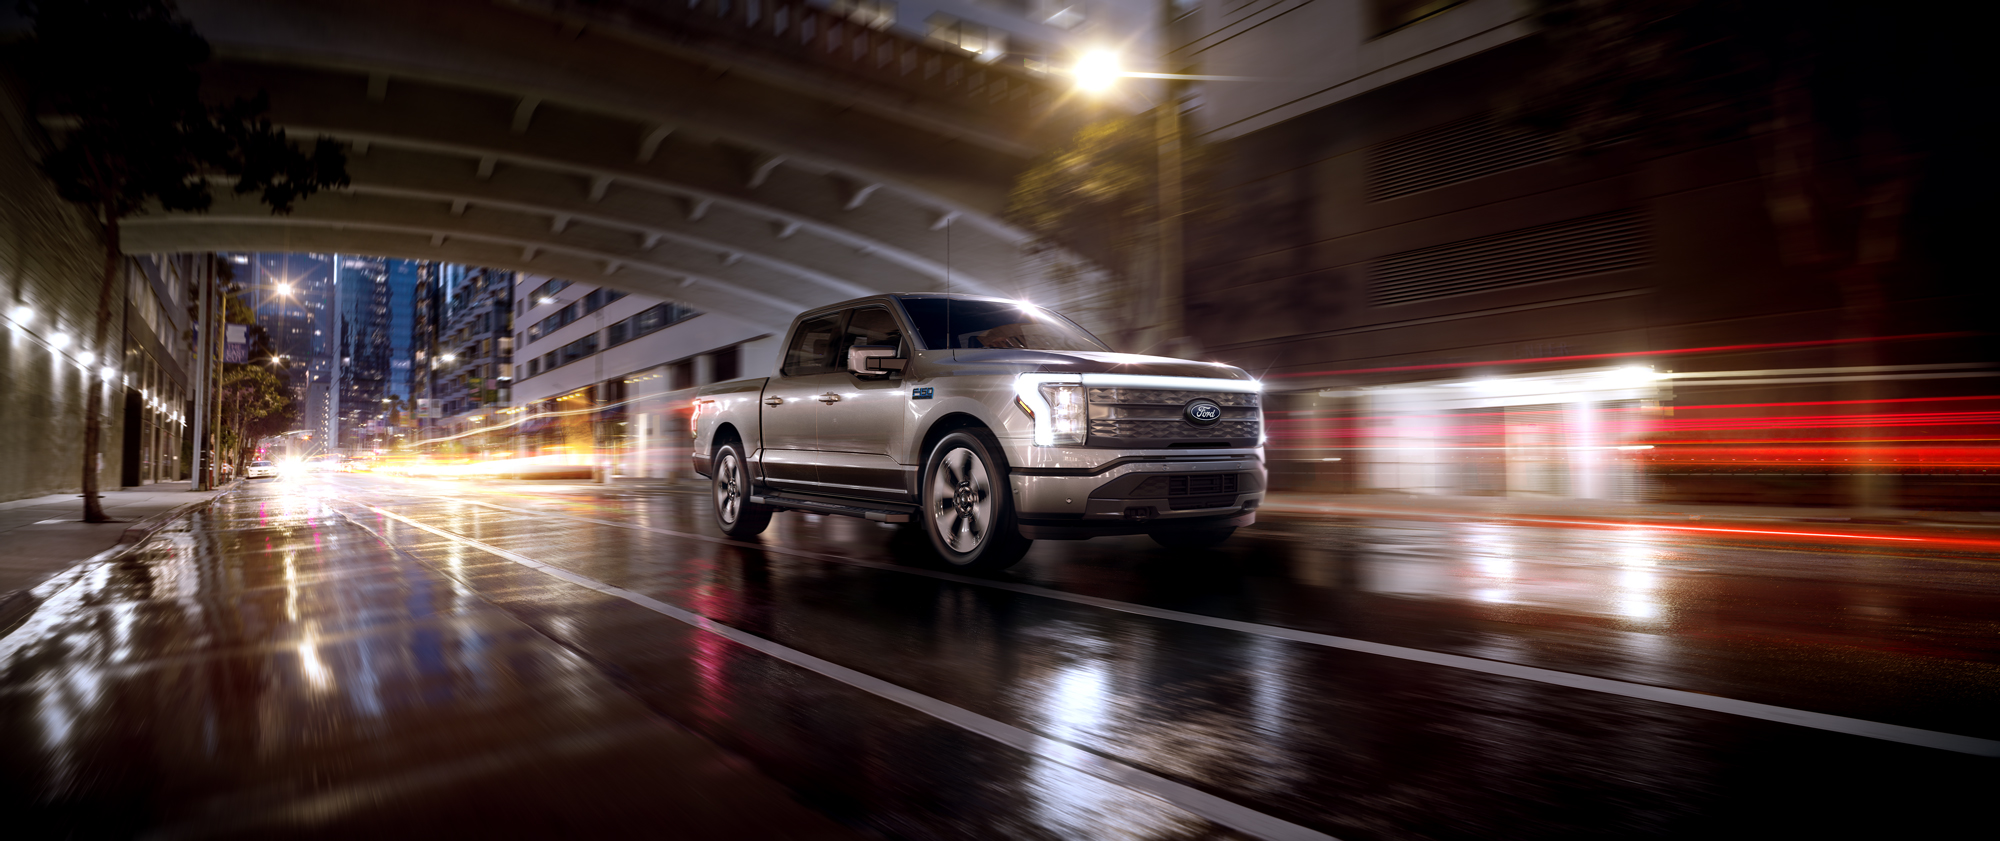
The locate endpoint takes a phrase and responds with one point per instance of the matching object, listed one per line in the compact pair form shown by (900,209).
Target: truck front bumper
(1138,495)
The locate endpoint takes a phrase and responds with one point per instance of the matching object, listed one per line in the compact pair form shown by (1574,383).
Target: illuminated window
(987,43)
(874,14)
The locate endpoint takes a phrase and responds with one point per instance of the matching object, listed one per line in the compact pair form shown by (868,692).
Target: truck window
(869,326)
(812,346)
(995,324)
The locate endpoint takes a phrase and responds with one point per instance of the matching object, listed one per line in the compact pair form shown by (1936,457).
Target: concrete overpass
(747,156)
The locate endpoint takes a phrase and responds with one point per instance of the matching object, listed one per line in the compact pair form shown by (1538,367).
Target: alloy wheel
(962,500)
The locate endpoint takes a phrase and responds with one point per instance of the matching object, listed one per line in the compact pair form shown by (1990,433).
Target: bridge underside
(504,136)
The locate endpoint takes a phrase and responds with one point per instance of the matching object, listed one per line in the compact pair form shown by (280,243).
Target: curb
(17,607)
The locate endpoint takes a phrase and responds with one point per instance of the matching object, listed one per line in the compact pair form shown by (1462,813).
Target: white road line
(1224,812)
(1678,697)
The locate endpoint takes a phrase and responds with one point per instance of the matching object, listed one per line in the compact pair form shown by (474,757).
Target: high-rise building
(365,348)
(403,279)
(472,370)
(290,295)
(427,316)
(605,379)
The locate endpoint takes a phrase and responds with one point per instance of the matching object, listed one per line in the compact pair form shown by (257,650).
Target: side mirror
(873,360)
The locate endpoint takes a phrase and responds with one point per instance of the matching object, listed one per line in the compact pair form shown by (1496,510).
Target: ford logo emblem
(1202,412)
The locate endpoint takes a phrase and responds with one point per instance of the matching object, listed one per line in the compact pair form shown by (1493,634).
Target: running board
(880,515)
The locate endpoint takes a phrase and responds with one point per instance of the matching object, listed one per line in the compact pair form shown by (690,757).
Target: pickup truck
(992,423)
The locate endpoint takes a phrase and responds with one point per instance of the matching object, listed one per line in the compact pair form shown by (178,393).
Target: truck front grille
(1162,397)
(1151,418)
(1176,430)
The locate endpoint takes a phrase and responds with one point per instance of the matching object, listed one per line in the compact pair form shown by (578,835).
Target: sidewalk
(1503,507)
(45,535)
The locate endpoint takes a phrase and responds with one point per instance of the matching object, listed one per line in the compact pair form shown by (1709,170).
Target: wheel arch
(944,425)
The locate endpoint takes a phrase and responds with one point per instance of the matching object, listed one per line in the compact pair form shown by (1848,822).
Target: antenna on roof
(950,340)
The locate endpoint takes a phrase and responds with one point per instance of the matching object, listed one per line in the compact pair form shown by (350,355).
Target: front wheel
(738,517)
(967,509)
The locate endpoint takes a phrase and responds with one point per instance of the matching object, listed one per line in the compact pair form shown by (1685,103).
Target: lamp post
(1097,73)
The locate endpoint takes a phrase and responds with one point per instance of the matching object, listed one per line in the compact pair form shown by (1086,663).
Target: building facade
(365,348)
(604,380)
(1445,303)
(472,366)
(51,275)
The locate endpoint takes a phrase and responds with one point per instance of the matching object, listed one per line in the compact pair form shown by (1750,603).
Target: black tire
(1192,538)
(734,512)
(968,509)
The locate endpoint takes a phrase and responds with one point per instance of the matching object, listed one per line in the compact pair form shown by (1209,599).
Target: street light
(1097,71)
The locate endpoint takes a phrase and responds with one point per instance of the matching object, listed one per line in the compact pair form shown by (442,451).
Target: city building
(1445,302)
(365,346)
(156,369)
(471,363)
(426,315)
(605,379)
(291,295)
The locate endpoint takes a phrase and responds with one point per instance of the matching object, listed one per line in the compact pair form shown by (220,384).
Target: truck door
(791,408)
(864,417)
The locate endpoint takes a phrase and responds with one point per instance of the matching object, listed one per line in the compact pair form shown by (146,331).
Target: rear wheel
(734,512)
(1192,538)
(967,508)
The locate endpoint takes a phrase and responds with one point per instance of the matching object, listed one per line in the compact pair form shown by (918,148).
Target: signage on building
(236,343)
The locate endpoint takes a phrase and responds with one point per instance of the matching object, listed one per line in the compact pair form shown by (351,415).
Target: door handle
(829,398)
(772,401)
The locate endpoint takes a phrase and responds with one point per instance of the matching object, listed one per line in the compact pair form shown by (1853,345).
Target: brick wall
(50,260)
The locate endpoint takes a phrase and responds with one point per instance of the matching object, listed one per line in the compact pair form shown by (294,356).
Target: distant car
(329,461)
(260,470)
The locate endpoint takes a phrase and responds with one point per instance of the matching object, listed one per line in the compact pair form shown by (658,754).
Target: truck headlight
(1065,414)
(1055,404)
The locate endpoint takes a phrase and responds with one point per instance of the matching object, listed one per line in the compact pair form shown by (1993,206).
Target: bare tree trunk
(93,404)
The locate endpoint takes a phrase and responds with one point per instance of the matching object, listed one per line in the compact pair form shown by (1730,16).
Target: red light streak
(1624,355)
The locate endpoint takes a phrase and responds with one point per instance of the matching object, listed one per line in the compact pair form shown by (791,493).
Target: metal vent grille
(1457,151)
(1592,245)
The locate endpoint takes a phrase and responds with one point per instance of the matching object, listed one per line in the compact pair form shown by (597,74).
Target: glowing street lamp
(1097,71)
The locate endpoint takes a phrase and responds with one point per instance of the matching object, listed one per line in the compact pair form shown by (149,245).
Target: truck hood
(1097,362)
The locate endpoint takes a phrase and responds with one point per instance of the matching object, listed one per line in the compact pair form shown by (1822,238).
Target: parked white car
(260,470)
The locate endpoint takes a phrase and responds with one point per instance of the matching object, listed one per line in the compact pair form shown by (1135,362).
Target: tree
(122,75)
(257,404)
(1100,195)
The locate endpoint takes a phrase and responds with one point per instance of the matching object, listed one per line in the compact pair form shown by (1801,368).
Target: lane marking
(1645,692)
(1208,806)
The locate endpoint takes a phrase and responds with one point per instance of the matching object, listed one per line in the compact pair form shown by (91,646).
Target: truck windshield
(995,324)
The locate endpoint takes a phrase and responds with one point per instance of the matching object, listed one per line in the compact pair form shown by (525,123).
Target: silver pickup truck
(992,423)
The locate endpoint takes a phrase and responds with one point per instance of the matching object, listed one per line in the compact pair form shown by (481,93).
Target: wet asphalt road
(341,654)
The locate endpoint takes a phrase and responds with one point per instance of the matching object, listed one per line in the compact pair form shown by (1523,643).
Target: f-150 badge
(920,394)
